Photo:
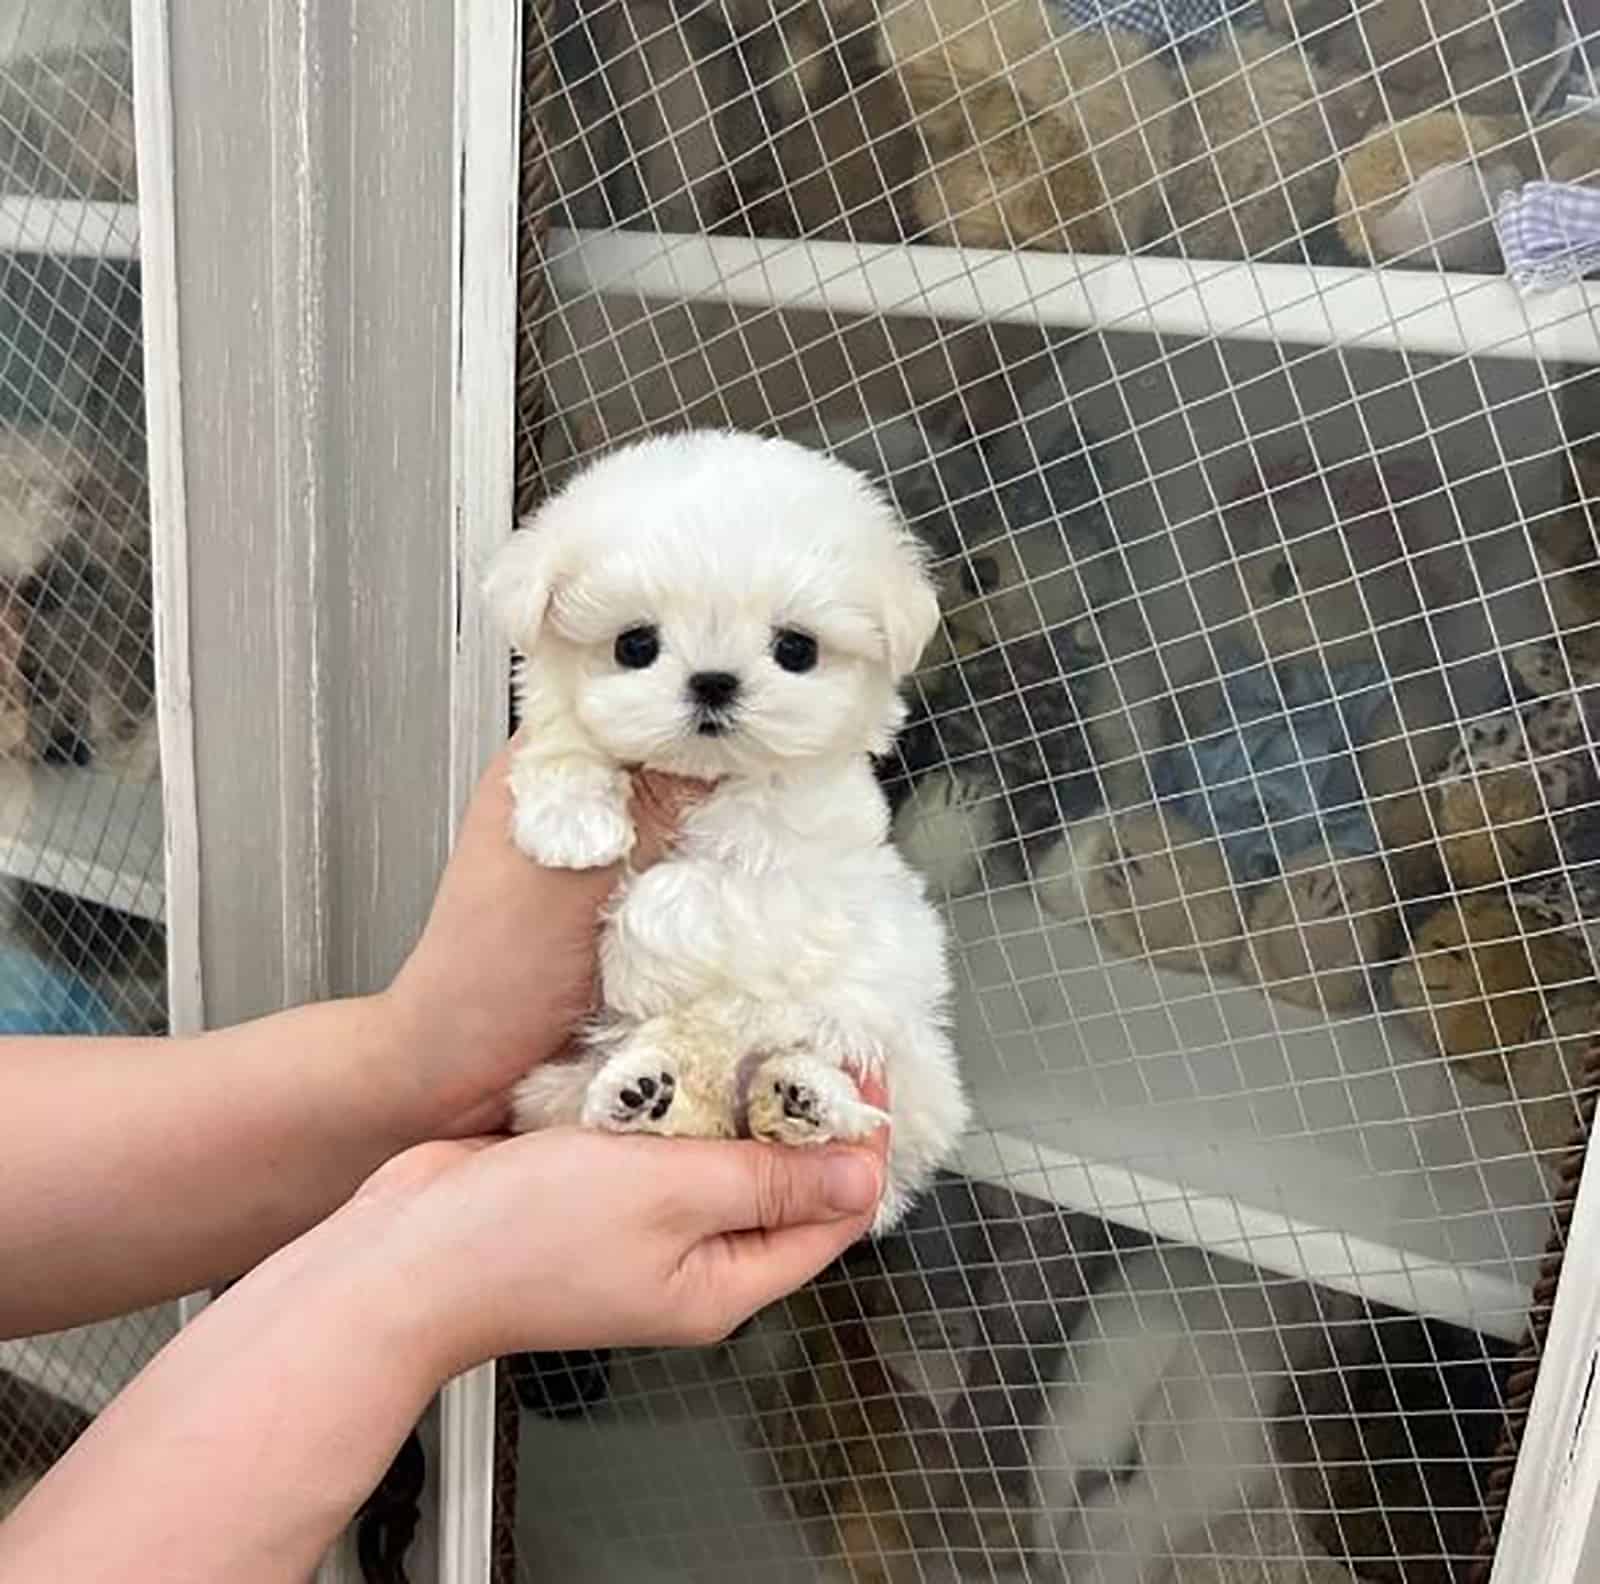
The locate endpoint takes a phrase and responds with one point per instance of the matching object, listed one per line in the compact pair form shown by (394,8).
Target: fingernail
(850,1182)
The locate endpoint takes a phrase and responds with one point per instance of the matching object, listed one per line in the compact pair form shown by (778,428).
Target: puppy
(740,611)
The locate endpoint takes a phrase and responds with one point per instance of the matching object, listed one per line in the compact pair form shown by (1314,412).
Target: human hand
(568,1239)
(506,964)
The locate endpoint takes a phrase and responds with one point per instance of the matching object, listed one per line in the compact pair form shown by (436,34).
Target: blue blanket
(1281,774)
(38,999)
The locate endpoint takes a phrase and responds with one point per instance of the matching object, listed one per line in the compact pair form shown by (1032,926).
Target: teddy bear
(1065,126)
(732,115)
(1514,789)
(1425,54)
(1282,804)
(1424,191)
(1502,984)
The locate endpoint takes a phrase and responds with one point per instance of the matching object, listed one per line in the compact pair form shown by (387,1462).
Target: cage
(1233,363)
(1236,364)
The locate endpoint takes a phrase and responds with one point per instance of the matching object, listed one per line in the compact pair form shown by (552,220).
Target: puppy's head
(710,603)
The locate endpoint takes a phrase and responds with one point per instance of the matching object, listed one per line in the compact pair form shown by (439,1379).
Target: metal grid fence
(1253,767)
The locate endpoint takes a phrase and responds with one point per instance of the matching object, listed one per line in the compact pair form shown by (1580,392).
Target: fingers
(730,1187)
(876,1093)
(742,1272)
(659,804)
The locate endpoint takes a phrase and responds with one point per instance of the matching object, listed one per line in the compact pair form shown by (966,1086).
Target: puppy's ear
(909,607)
(519,583)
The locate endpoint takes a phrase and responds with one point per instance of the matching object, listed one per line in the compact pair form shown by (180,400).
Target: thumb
(747,1187)
(792,1213)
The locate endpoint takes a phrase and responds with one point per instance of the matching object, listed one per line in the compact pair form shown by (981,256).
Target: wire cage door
(1235,363)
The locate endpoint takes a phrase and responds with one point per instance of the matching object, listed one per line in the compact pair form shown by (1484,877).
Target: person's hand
(506,965)
(569,1239)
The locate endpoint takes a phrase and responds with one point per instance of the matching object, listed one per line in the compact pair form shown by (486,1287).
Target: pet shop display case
(82,943)
(1232,374)
(1250,767)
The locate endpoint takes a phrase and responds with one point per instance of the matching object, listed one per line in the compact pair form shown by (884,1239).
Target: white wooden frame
(313,248)
(483,396)
(157,237)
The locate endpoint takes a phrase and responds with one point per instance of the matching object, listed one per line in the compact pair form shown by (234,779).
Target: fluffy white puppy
(742,611)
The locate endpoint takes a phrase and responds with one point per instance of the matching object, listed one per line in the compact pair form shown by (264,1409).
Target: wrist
(368,1294)
(412,1072)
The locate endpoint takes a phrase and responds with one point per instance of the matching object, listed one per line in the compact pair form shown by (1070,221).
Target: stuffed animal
(993,760)
(1109,128)
(1503,985)
(734,115)
(1290,807)
(1486,58)
(1514,788)
(1424,191)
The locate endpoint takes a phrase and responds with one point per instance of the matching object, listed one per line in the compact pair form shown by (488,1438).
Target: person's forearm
(247,1445)
(138,1170)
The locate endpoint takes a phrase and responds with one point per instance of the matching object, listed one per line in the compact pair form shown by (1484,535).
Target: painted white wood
(153,132)
(314,261)
(488,52)
(1556,1492)
(175,806)
(1402,310)
(70,227)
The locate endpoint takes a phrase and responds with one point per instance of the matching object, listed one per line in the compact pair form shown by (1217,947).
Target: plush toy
(1115,128)
(1153,885)
(1288,801)
(1503,985)
(725,116)
(1488,58)
(1425,190)
(1512,790)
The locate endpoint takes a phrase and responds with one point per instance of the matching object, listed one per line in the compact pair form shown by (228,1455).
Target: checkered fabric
(1186,23)
(1549,233)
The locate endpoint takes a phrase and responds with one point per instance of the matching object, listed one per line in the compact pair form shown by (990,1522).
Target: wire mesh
(1252,768)
(81,942)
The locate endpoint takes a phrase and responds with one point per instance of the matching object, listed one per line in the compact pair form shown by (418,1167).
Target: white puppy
(741,611)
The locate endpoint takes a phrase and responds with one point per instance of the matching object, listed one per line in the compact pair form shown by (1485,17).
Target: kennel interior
(82,947)
(1250,442)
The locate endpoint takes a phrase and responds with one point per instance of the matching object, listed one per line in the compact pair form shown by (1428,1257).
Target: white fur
(783,939)
(1173,1391)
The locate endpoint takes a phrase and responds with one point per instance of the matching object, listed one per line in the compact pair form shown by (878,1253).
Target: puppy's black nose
(713,689)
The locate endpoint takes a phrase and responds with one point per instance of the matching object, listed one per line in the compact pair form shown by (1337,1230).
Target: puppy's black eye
(1283,584)
(637,648)
(794,651)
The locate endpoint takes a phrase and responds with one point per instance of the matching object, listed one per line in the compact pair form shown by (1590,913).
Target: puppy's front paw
(797,1099)
(572,817)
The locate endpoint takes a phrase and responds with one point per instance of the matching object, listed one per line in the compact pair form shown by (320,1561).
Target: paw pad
(648,1096)
(799,1103)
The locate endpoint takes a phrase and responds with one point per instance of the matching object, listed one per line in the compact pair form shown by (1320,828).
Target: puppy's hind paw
(797,1099)
(627,1099)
